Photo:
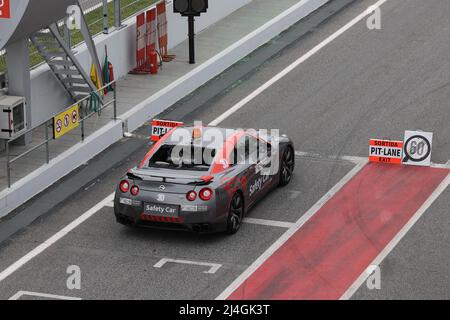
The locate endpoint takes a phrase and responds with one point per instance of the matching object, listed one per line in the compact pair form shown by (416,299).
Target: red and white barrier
(152,56)
(151,30)
(146,56)
(162,31)
(140,42)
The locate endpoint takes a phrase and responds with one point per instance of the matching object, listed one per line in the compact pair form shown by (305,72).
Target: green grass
(95,22)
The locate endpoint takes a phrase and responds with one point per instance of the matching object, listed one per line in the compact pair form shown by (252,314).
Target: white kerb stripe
(271,223)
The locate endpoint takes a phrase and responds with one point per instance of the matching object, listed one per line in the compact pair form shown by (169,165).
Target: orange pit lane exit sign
(385,151)
(5,9)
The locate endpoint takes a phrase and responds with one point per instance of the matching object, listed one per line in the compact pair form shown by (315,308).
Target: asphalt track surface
(338,215)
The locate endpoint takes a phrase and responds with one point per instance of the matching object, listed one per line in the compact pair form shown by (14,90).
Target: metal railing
(84,114)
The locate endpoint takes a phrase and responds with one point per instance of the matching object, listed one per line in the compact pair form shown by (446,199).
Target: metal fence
(48,127)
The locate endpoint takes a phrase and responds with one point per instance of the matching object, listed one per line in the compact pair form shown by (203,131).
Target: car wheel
(287,166)
(236,213)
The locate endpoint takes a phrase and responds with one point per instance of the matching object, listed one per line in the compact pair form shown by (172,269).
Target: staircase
(66,68)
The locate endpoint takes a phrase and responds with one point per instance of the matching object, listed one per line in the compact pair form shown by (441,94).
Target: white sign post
(417,148)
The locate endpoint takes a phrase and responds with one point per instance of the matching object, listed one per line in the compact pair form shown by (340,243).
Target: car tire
(235,214)
(287,166)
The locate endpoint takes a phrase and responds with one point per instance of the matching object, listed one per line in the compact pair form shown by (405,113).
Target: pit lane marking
(56,237)
(20,294)
(271,223)
(393,243)
(441,166)
(110,204)
(213,267)
(310,155)
(290,232)
(296,63)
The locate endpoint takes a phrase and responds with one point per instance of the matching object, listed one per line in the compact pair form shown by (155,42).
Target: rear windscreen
(183,157)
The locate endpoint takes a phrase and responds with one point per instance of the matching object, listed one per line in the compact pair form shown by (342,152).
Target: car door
(257,181)
(263,177)
(244,169)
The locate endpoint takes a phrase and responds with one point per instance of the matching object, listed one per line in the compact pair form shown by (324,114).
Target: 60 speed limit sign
(417,148)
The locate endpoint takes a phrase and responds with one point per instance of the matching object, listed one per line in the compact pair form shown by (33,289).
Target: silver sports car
(203,179)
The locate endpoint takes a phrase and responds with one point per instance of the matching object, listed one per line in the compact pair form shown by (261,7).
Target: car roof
(209,136)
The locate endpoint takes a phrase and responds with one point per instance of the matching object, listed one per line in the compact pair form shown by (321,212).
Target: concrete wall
(48,96)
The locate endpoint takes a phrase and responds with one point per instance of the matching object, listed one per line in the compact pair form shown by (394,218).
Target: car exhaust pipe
(199,228)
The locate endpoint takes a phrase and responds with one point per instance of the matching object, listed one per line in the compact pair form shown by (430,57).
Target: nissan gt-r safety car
(203,179)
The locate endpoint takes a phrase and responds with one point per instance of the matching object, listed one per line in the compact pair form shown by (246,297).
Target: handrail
(27,152)
(46,123)
(71,106)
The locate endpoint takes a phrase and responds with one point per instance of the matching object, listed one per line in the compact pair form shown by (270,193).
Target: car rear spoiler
(142,174)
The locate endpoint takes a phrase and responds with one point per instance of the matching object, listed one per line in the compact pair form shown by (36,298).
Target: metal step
(79,89)
(66,72)
(55,54)
(41,35)
(47,45)
(59,62)
(70,80)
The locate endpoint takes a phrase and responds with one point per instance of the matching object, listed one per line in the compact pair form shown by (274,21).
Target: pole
(191,21)
(8,168)
(105,17)
(115,101)
(117,15)
(47,151)
(82,130)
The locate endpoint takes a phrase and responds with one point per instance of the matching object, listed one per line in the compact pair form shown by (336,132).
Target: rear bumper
(200,222)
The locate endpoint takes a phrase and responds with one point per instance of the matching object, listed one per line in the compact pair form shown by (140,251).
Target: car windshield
(183,157)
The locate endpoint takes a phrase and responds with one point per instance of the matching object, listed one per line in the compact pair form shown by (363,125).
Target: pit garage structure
(42,23)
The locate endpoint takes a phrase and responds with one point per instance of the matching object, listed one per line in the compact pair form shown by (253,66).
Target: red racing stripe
(329,252)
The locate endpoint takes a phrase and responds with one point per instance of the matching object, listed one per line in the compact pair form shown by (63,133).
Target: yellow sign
(66,121)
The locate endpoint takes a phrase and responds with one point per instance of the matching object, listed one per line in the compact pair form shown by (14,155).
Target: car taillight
(124,186)
(134,190)
(206,194)
(191,195)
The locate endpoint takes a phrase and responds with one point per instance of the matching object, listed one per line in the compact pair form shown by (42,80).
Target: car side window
(250,150)
(252,145)
(264,150)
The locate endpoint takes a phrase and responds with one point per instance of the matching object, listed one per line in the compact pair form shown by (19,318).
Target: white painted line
(352,159)
(382,255)
(441,166)
(271,223)
(20,294)
(295,64)
(56,237)
(213,267)
(110,204)
(289,233)
(294,194)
